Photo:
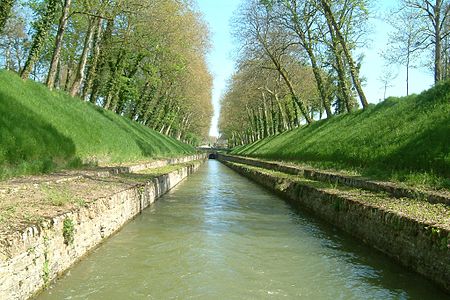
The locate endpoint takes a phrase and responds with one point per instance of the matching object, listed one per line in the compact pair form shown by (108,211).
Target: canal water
(218,235)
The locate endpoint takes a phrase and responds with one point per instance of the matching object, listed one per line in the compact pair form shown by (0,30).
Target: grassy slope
(406,139)
(41,130)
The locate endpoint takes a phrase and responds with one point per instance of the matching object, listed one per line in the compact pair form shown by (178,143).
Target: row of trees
(141,59)
(297,63)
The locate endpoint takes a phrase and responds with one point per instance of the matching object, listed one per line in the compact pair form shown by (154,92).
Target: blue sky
(217,14)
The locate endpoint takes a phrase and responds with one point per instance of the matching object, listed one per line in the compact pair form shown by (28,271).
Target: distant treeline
(297,63)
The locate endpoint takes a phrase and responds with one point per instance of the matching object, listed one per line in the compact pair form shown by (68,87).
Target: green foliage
(42,28)
(46,272)
(5,10)
(42,130)
(68,231)
(407,139)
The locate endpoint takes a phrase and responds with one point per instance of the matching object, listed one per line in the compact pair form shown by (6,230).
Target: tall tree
(354,70)
(386,79)
(80,73)
(260,35)
(13,41)
(434,15)
(39,38)
(300,17)
(406,41)
(58,45)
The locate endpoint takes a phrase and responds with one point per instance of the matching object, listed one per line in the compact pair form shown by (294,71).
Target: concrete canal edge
(413,244)
(41,253)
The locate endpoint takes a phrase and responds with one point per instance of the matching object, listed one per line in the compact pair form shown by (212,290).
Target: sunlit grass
(405,139)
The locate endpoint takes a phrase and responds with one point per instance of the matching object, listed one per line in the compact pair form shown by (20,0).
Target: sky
(218,14)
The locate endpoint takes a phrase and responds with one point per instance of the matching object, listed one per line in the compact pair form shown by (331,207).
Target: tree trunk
(42,28)
(79,77)
(407,74)
(68,75)
(282,114)
(288,82)
(295,97)
(289,116)
(162,128)
(353,69)
(265,116)
(257,124)
(253,126)
(172,121)
(320,85)
(105,42)
(307,43)
(94,59)
(438,42)
(273,118)
(58,75)
(345,91)
(51,77)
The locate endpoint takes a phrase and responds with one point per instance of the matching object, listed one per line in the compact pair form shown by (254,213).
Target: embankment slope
(41,130)
(405,139)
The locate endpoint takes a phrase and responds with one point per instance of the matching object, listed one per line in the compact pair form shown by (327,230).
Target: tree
(386,79)
(42,29)
(260,35)
(5,10)
(51,77)
(13,42)
(300,18)
(80,72)
(406,41)
(147,62)
(433,15)
(258,104)
(354,70)
(351,18)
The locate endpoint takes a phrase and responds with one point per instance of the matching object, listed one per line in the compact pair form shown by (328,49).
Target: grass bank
(401,139)
(42,130)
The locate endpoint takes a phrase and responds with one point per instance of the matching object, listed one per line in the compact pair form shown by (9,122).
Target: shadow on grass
(430,151)
(28,143)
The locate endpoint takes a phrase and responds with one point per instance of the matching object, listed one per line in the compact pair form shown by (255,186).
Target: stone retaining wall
(33,258)
(312,174)
(412,243)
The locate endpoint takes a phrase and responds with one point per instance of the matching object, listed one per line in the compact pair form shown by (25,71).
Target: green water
(217,235)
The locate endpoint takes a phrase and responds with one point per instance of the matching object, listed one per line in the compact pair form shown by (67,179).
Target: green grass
(403,139)
(42,130)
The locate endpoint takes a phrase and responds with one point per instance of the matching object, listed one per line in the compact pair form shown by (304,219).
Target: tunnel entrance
(212,156)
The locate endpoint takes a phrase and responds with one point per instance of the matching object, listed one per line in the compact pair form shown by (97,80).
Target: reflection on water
(219,236)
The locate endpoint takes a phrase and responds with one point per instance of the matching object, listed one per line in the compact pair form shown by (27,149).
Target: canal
(218,235)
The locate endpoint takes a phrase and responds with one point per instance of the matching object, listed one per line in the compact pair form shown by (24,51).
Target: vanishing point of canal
(218,235)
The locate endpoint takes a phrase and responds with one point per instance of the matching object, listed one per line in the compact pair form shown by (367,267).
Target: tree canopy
(143,60)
